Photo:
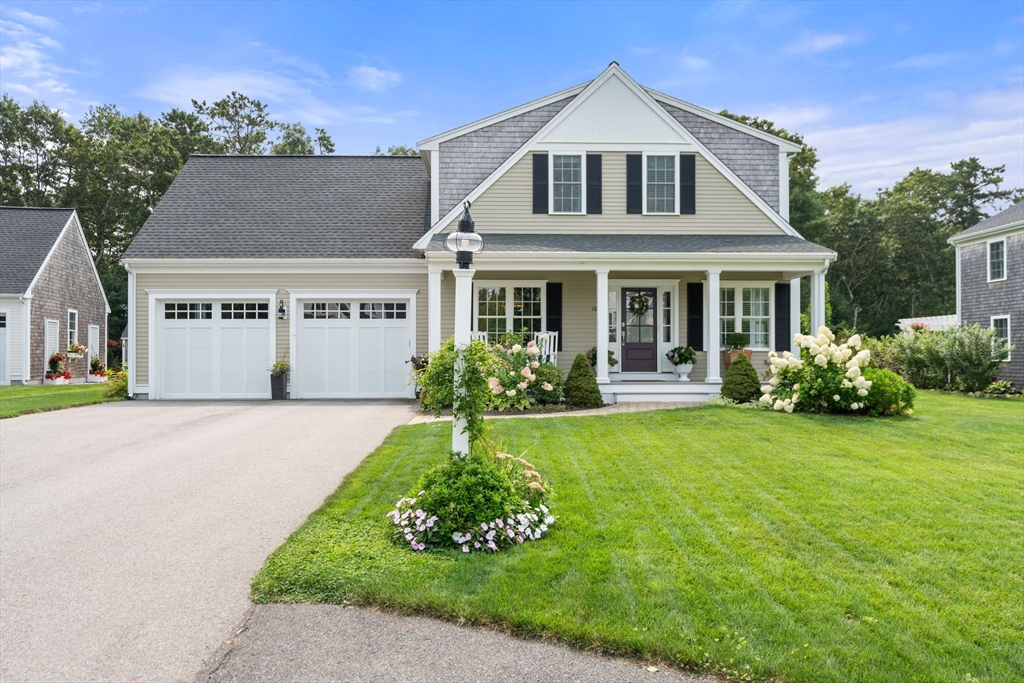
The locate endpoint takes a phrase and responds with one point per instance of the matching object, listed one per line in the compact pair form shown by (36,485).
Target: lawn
(35,398)
(756,544)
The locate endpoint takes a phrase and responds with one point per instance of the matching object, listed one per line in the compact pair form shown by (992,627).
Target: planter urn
(683,371)
(55,382)
(729,356)
(278,383)
(93,378)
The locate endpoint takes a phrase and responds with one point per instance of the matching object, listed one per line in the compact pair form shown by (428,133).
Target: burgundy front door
(639,332)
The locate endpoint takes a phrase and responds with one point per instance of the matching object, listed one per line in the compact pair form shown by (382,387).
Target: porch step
(658,391)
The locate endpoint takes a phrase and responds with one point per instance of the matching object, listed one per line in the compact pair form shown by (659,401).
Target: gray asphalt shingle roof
(26,237)
(637,243)
(289,207)
(1014,214)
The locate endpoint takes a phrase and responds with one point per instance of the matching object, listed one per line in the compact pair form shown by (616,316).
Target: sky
(878,88)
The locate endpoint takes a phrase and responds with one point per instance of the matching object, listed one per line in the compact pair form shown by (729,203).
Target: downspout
(26,338)
(130,360)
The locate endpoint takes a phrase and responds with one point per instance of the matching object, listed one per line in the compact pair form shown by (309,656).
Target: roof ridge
(41,208)
(304,156)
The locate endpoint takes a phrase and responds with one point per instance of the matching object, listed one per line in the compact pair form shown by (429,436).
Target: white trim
(794,315)
(675,183)
(277,265)
(46,352)
(800,264)
(784,185)
(99,342)
(70,311)
(129,360)
(988,259)
(738,286)
(5,378)
(1009,339)
(295,296)
(434,276)
(582,154)
(434,167)
(712,325)
(26,336)
(783,144)
(508,285)
(959,293)
(156,295)
(433,141)
(53,248)
(983,235)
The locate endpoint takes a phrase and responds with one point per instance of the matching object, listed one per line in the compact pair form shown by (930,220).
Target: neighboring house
(586,199)
(990,282)
(50,294)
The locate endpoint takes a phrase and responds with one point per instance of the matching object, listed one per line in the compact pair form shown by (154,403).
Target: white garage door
(217,349)
(352,349)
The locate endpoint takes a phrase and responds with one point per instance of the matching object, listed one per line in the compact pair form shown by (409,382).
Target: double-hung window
(511,307)
(997,260)
(72,327)
(746,310)
(566,183)
(661,184)
(1001,325)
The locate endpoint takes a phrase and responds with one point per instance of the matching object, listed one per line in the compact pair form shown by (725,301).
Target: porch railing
(547,342)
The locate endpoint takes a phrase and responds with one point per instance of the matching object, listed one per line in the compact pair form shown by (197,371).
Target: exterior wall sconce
(282,312)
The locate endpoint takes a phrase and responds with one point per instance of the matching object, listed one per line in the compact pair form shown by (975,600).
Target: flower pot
(96,379)
(277,386)
(683,371)
(56,382)
(729,356)
(74,355)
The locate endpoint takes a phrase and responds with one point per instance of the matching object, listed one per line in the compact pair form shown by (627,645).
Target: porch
(591,301)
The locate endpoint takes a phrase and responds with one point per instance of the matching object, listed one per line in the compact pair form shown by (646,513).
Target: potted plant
(736,344)
(56,372)
(278,380)
(97,373)
(682,359)
(592,357)
(76,350)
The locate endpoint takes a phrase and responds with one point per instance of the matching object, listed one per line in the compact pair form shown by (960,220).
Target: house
(990,282)
(50,294)
(587,200)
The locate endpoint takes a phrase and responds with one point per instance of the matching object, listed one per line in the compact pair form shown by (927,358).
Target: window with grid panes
(526,310)
(244,311)
(567,183)
(756,316)
(661,184)
(727,313)
(491,312)
(188,311)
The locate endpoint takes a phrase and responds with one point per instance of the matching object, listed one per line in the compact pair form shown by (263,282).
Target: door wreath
(639,304)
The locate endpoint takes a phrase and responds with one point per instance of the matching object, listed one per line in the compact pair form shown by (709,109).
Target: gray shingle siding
(755,161)
(980,299)
(466,161)
(26,237)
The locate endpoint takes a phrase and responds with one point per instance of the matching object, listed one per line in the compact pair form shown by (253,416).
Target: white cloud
(373,79)
(930,61)
(793,118)
(26,55)
(988,125)
(695,63)
(34,19)
(813,43)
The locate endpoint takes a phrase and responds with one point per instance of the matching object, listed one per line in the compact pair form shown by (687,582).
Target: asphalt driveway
(129,532)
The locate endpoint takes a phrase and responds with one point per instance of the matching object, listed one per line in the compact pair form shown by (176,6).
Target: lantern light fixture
(465,241)
(282,312)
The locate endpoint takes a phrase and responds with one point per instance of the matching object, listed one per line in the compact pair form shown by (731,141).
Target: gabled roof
(1008,218)
(289,207)
(27,235)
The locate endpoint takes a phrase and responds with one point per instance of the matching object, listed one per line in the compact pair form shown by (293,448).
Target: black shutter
(782,317)
(634,183)
(554,310)
(593,183)
(540,183)
(695,315)
(687,184)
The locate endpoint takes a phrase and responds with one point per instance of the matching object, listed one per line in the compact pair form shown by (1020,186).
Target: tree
(293,140)
(190,134)
(973,189)
(34,154)
(239,123)
(324,143)
(398,151)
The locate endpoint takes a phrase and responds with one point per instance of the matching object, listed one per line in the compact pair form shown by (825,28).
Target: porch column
(463,318)
(817,300)
(714,327)
(794,313)
(434,309)
(602,326)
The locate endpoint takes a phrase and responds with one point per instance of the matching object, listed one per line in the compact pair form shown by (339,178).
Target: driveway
(129,531)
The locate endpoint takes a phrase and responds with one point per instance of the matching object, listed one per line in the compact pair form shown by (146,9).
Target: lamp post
(464,243)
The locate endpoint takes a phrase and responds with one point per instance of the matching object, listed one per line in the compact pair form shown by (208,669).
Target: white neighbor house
(584,199)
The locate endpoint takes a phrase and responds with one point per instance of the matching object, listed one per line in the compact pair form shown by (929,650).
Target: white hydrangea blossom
(846,359)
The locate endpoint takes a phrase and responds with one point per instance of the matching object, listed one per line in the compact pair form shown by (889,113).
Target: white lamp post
(463,243)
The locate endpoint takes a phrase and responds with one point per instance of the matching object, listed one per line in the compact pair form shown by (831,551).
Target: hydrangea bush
(825,378)
(484,502)
(516,386)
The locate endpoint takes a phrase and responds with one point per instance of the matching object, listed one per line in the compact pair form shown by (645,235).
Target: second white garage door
(352,349)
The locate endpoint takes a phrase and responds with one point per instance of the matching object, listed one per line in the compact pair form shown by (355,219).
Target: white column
(434,309)
(714,349)
(463,316)
(602,326)
(794,313)
(817,300)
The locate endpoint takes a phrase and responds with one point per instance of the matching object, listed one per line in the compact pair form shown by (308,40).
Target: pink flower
(522,386)
(465,548)
(535,365)
(493,383)
(490,544)
(531,343)
(546,386)
(525,372)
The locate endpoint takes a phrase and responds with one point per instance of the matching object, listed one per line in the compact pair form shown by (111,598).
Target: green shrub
(741,383)
(1001,387)
(461,492)
(581,389)
(592,357)
(550,374)
(737,341)
(958,359)
(889,393)
(117,384)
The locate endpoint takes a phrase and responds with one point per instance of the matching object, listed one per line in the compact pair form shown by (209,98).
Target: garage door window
(188,311)
(244,311)
(382,311)
(322,310)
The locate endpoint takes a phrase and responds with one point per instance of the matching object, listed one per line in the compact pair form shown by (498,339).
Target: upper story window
(566,183)
(997,260)
(661,184)
(72,327)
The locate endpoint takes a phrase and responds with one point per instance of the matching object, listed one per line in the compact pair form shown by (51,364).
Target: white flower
(546,386)
(853,372)
(847,353)
(796,387)
(862,392)
(788,408)
(863,357)
(815,349)
(774,381)
(846,384)
(854,341)
(806,342)
(766,389)
(859,381)
(826,332)
(822,340)
(516,348)
(779,405)
(820,360)
(510,393)
(835,398)
(854,406)
(867,384)
(766,398)
(796,398)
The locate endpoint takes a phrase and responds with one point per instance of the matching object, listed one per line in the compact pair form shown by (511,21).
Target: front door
(639,329)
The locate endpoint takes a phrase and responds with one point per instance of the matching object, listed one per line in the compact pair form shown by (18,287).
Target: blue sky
(878,88)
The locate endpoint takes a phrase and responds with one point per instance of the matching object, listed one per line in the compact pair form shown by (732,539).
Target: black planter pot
(277,386)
